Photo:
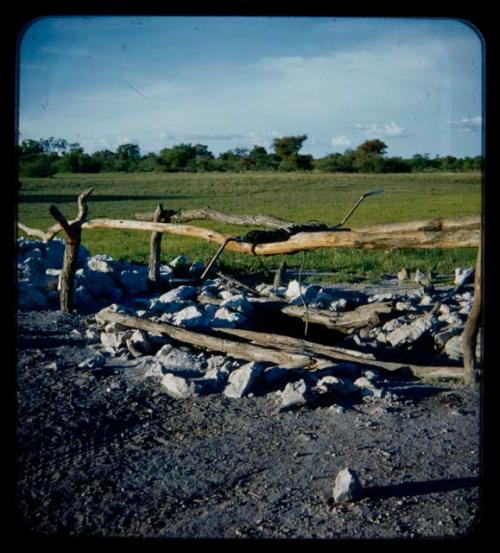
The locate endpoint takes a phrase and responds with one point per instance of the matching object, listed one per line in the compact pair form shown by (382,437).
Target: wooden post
(73,231)
(469,336)
(155,252)
(280,273)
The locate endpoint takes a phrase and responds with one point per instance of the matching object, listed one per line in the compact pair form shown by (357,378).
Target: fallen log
(235,349)
(337,354)
(361,317)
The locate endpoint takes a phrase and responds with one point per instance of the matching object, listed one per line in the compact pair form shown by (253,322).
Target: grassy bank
(295,196)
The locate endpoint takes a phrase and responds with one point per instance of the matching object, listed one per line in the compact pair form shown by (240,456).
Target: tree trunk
(469,336)
(155,253)
(69,269)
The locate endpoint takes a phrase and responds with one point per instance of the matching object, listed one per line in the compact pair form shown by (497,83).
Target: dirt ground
(105,452)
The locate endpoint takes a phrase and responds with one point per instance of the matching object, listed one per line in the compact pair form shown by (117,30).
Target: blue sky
(232,82)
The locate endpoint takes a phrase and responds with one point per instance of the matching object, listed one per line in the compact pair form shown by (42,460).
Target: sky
(231,82)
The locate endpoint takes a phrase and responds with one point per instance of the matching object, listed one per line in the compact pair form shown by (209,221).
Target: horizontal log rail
(433,233)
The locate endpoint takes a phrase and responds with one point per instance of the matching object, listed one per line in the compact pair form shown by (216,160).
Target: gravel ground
(104,452)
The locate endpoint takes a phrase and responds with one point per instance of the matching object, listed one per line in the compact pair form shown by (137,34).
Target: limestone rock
(347,486)
(294,395)
(179,387)
(241,380)
(341,386)
(189,317)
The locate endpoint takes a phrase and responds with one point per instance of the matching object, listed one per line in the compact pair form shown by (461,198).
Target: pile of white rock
(183,373)
(417,324)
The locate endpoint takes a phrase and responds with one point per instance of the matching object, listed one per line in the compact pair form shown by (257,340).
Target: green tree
(288,147)
(372,147)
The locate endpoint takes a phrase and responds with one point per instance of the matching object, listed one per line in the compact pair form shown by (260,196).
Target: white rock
(179,387)
(426,300)
(177,360)
(347,486)
(380,297)
(238,303)
(309,293)
(444,309)
(139,341)
(179,294)
(419,276)
(294,395)
(341,386)
(367,388)
(442,338)
(166,273)
(404,306)
(189,317)
(464,276)
(454,348)
(102,263)
(226,294)
(402,274)
(99,284)
(241,380)
(115,340)
(338,305)
(223,318)
(180,261)
(93,362)
(196,268)
(407,334)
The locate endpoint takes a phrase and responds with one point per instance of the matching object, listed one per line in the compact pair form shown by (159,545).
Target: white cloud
(468,124)
(387,130)
(340,140)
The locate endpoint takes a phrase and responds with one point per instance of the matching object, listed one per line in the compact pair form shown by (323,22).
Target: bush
(40,167)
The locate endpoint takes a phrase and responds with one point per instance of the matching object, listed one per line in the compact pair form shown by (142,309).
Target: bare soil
(106,452)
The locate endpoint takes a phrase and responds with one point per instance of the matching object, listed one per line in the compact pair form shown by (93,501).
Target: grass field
(299,197)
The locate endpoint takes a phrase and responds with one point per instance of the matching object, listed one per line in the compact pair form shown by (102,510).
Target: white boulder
(241,380)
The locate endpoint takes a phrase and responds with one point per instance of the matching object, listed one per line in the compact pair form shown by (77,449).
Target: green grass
(299,197)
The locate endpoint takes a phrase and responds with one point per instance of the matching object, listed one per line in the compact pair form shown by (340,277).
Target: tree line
(46,157)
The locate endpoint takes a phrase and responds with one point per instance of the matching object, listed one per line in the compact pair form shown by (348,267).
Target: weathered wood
(208,213)
(289,356)
(449,233)
(279,275)
(365,315)
(469,336)
(361,317)
(235,349)
(73,231)
(337,354)
(155,253)
(433,233)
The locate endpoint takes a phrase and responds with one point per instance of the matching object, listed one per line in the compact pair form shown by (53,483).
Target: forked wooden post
(155,252)
(73,231)
(469,336)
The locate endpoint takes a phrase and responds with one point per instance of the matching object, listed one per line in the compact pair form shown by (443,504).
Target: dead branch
(337,354)
(235,349)
(208,213)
